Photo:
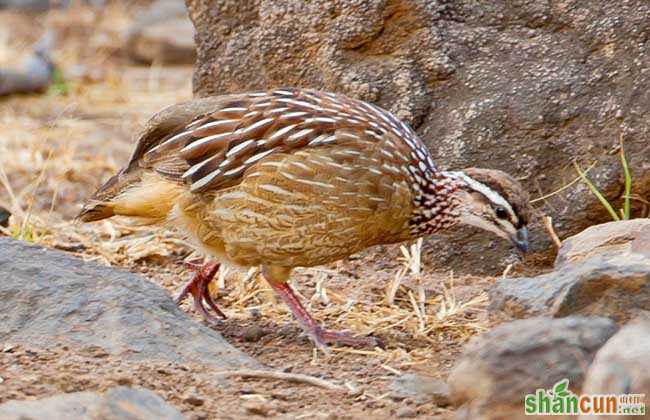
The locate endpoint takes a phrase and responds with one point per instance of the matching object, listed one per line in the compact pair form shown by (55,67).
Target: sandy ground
(55,149)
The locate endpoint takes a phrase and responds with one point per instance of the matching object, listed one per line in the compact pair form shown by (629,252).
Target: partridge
(296,178)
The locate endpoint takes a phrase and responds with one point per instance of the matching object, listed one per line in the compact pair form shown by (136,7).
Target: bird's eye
(501,213)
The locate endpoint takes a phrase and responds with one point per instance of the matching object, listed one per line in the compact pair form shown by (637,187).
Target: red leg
(198,288)
(320,336)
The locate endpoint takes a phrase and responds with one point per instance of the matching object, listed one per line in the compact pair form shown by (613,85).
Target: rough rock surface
(603,271)
(48,298)
(523,86)
(605,241)
(621,365)
(119,403)
(162,34)
(499,367)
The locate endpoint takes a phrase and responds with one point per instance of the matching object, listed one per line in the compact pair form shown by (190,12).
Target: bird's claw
(198,287)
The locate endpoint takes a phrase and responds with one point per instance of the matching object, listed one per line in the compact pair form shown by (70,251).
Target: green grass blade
(628,184)
(597,193)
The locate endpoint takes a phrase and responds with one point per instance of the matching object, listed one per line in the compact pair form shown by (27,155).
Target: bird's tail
(100,205)
(132,192)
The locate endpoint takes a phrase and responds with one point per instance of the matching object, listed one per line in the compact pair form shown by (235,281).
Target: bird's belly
(293,232)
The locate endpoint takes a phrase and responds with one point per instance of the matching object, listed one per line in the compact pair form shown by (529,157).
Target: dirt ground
(56,148)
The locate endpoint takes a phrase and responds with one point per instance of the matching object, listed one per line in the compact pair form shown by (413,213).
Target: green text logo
(561,401)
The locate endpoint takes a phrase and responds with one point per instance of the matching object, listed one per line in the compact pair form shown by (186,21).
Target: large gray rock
(497,369)
(119,403)
(603,271)
(162,34)
(523,86)
(622,366)
(49,298)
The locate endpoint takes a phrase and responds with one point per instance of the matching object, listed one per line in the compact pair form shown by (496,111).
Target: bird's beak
(520,240)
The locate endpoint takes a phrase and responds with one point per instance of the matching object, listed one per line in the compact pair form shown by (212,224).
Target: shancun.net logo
(561,401)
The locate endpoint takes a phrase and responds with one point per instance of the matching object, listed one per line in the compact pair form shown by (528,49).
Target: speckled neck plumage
(435,207)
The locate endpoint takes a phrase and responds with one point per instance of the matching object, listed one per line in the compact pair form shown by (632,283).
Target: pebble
(258,409)
(421,387)
(124,381)
(253,333)
(283,394)
(405,412)
(194,400)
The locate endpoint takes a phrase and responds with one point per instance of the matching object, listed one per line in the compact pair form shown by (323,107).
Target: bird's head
(494,201)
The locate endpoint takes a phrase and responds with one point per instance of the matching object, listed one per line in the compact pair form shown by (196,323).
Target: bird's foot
(324,336)
(198,288)
(319,335)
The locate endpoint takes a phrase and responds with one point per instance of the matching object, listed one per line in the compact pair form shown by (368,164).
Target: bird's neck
(435,206)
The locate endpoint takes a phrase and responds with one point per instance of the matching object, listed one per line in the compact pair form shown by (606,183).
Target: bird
(297,177)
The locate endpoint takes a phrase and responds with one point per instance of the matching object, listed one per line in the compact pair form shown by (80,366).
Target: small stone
(405,413)
(194,400)
(282,394)
(257,409)
(124,380)
(253,333)
(255,313)
(422,388)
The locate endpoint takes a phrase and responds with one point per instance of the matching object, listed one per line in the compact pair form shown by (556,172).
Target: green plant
(625,211)
(59,86)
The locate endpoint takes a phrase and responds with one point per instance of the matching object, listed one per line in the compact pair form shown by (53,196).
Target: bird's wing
(219,139)
(314,206)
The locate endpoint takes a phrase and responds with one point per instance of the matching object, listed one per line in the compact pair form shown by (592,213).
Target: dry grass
(54,150)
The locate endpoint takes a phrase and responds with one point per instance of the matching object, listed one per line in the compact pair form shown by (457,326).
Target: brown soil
(57,148)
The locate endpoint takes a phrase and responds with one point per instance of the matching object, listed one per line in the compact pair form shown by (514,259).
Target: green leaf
(628,183)
(560,388)
(597,193)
